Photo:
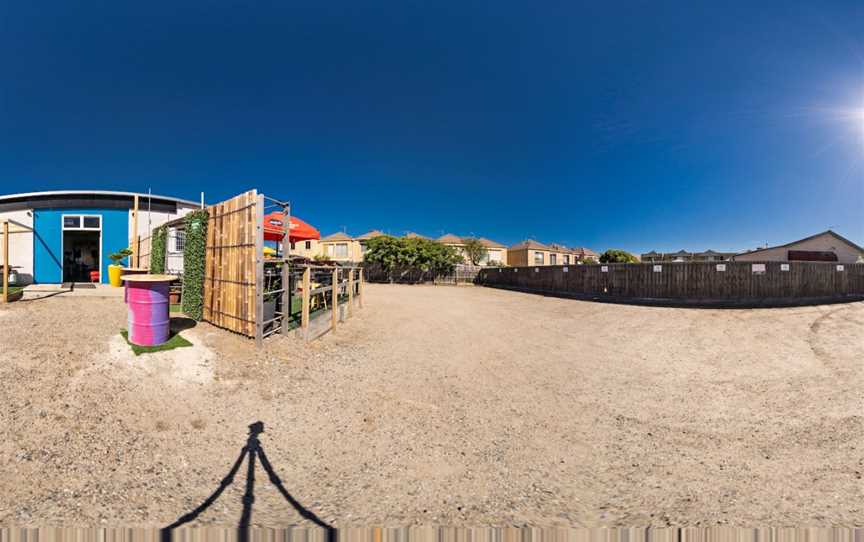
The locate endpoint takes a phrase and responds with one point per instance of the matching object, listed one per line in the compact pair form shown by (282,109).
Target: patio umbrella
(274,228)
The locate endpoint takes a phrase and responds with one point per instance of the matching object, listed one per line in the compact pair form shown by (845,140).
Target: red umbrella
(274,228)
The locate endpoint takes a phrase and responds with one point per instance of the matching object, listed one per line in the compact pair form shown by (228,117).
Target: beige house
(496,253)
(341,247)
(530,252)
(827,246)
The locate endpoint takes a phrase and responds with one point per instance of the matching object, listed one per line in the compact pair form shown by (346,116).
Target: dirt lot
(443,405)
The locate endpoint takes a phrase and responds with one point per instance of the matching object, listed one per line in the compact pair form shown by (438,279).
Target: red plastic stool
(94,276)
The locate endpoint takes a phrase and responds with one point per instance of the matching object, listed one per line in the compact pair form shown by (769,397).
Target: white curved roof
(61,193)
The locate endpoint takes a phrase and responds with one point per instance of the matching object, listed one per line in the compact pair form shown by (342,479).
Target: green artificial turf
(176,341)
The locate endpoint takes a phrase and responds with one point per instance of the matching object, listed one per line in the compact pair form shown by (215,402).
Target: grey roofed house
(824,246)
(371,234)
(338,236)
(413,235)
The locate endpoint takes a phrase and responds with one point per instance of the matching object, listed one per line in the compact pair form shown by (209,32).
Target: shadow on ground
(252,451)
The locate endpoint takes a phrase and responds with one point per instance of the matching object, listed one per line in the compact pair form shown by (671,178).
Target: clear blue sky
(637,125)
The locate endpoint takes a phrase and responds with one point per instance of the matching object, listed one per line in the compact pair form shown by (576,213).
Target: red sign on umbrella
(274,228)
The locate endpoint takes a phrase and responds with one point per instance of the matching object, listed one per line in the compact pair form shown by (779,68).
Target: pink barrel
(148,302)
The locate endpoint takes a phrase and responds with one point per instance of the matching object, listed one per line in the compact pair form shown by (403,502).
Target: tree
(475,251)
(423,254)
(614,255)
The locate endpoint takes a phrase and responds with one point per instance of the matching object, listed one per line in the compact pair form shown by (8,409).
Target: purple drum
(148,302)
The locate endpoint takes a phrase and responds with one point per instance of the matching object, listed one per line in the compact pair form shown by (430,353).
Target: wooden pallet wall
(230,266)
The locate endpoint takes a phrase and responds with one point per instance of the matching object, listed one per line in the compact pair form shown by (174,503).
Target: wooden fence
(688,283)
(140,257)
(412,275)
(328,295)
(234,235)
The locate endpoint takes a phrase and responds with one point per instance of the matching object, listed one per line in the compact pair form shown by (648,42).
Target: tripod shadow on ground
(251,451)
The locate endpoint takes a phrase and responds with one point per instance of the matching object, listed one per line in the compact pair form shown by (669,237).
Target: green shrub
(157,250)
(118,257)
(614,255)
(417,253)
(194,257)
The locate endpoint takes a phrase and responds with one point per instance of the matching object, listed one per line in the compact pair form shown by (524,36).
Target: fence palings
(692,281)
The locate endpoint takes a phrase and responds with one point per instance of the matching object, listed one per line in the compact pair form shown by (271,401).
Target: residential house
(827,246)
(340,247)
(530,252)
(496,253)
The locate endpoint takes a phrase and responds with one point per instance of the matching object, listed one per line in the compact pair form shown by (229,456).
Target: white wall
(20,244)
(155,218)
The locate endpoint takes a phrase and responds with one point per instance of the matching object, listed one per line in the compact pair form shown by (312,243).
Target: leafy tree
(614,255)
(423,254)
(475,251)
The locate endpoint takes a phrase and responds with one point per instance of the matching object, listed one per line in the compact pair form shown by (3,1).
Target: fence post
(259,271)
(6,261)
(350,292)
(286,270)
(304,321)
(334,296)
(360,287)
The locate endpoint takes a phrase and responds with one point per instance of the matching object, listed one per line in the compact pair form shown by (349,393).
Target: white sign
(658,268)
(566,270)
(758,268)
(604,268)
(536,269)
(839,268)
(784,267)
(721,267)
(499,269)
(515,270)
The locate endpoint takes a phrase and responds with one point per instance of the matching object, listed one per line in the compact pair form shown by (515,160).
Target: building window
(82,222)
(538,258)
(178,241)
(293,245)
(553,259)
(566,259)
(308,245)
(341,250)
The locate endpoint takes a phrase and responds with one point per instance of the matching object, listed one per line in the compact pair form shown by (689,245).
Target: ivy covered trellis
(157,250)
(194,263)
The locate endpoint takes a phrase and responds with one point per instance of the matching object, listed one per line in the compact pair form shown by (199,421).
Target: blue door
(107,228)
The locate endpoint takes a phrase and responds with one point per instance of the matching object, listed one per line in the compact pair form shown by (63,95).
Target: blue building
(75,231)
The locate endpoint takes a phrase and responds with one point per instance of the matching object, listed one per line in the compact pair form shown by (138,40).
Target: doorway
(80,255)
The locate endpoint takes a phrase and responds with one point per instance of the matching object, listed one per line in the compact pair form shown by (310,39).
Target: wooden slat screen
(229,277)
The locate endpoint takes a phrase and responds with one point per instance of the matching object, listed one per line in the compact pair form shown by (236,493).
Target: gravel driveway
(443,405)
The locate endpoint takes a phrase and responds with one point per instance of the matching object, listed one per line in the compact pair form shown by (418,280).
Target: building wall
(496,255)
(824,242)
(354,250)
(20,244)
(48,240)
(300,249)
(146,223)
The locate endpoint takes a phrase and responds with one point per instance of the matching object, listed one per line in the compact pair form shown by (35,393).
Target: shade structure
(274,228)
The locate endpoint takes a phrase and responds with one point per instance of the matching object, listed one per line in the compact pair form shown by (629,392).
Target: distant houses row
(342,247)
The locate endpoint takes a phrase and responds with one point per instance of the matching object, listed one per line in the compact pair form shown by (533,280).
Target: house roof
(62,193)
(829,232)
(338,236)
(451,239)
(488,243)
(584,251)
(530,244)
(413,235)
(372,233)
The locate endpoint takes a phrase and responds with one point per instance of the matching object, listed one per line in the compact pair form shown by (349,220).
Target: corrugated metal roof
(61,193)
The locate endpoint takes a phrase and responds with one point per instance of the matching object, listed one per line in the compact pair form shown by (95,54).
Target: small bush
(157,250)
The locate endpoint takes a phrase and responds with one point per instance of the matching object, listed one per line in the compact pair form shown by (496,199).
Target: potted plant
(115,270)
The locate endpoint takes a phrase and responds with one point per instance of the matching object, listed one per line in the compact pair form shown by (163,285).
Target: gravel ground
(443,405)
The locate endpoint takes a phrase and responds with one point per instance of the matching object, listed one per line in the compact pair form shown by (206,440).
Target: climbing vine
(193,264)
(157,250)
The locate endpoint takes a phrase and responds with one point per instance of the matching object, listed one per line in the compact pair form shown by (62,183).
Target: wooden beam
(334,296)
(135,239)
(360,287)
(5,261)
(350,292)
(304,317)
